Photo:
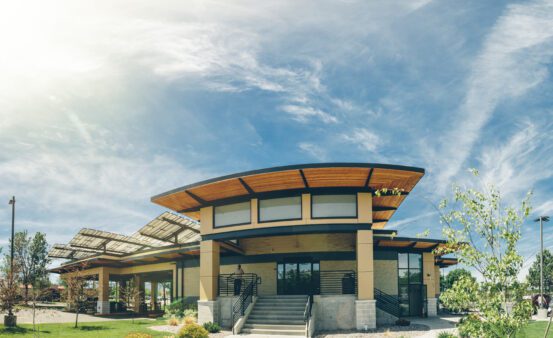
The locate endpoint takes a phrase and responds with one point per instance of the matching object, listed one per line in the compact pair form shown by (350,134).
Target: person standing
(238,280)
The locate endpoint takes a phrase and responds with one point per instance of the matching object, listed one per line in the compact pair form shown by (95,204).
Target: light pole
(12,203)
(541,219)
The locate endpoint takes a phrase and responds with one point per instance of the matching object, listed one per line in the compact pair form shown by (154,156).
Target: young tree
(9,290)
(132,294)
(76,294)
(31,257)
(454,276)
(484,234)
(534,272)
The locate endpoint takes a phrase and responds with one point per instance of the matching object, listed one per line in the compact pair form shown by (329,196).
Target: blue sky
(106,104)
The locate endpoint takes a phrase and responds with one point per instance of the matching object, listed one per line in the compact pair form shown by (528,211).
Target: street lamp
(10,319)
(541,219)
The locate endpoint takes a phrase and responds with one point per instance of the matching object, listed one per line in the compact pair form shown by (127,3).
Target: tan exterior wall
(338,265)
(437,279)
(267,272)
(428,274)
(365,265)
(298,243)
(385,276)
(191,282)
(364,211)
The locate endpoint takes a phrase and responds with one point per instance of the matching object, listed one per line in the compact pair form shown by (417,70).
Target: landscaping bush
(403,322)
(445,334)
(189,320)
(190,313)
(173,321)
(180,308)
(138,335)
(212,327)
(193,331)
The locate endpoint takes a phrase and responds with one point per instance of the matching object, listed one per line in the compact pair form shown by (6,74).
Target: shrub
(189,320)
(190,313)
(193,331)
(179,307)
(138,335)
(445,334)
(173,321)
(403,322)
(212,327)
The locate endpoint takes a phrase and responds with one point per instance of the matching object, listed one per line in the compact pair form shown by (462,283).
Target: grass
(109,329)
(535,329)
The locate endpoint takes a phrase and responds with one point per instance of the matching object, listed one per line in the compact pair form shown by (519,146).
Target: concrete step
(280,303)
(299,333)
(284,297)
(273,321)
(275,326)
(277,312)
(274,316)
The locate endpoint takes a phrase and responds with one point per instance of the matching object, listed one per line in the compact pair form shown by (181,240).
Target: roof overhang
(297,179)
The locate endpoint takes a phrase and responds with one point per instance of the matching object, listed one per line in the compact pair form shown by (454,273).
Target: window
(410,286)
(333,206)
(286,208)
(232,214)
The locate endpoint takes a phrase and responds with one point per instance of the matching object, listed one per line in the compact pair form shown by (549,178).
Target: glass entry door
(298,278)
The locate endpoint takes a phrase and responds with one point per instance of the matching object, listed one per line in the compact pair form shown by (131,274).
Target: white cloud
(513,60)
(364,139)
(303,114)
(313,150)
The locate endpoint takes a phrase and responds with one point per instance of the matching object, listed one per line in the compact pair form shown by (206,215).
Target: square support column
(365,305)
(138,285)
(208,308)
(102,306)
(153,295)
(429,279)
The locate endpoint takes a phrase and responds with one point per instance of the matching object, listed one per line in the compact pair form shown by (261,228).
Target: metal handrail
(244,300)
(226,283)
(387,303)
(307,313)
(337,282)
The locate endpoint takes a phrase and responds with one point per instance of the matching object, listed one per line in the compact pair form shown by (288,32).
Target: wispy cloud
(305,114)
(513,60)
(364,139)
(313,150)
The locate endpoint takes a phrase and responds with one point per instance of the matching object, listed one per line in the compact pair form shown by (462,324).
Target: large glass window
(411,290)
(232,214)
(274,209)
(333,206)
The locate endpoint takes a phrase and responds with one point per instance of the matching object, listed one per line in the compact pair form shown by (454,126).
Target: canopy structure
(408,243)
(444,262)
(165,231)
(299,178)
(172,228)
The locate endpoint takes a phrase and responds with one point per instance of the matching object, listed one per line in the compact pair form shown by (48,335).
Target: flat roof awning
(408,243)
(298,178)
(166,235)
(444,262)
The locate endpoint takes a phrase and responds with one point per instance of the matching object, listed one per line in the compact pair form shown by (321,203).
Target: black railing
(228,283)
(338,282)
(387,303)
(244,300)
(307,314)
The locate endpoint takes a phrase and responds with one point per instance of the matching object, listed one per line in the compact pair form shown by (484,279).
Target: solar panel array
(165,230)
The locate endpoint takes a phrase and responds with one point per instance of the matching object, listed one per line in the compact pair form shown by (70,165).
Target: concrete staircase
(277,315)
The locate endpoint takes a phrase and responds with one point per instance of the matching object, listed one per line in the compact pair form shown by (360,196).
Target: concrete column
(139,286)
(429,279)
(437,280)
(102,307)
(208,309)
(153,295)
(365,305)
(365,264)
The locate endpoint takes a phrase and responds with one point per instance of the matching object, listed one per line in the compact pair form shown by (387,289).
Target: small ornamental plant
(193,331)
(138,335)
(212,327)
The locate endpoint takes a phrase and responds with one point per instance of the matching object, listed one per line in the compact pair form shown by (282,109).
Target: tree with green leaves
(453,276)
(31,257)
(484,232)
(534,272)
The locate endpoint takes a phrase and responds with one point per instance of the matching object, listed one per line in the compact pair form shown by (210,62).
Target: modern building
(310,239)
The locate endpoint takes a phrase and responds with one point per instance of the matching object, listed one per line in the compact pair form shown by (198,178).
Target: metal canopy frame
(166,230)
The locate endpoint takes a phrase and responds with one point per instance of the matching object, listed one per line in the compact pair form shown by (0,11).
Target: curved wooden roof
(304,177)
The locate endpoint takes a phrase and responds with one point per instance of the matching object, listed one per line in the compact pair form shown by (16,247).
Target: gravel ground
(412,330)
(175,329)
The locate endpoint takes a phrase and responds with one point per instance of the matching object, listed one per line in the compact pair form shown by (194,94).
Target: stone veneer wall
(334,312)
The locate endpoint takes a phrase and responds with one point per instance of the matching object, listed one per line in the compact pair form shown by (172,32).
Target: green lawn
(535,329)
(109,329)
